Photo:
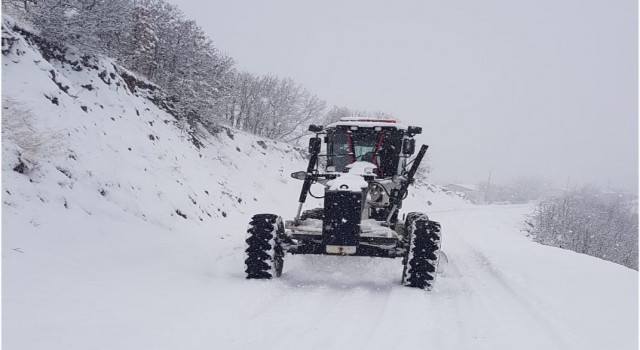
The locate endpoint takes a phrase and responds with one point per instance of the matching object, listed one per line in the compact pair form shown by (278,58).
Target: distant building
(473,193)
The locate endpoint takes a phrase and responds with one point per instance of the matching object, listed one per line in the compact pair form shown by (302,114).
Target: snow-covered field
(114,239)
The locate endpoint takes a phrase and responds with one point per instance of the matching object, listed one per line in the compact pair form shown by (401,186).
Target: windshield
(365,146)
(380,147)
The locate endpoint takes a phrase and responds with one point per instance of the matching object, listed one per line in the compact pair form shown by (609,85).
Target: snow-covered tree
(153,38)
(588,221)
(94,26)
(143,41)
(270,106)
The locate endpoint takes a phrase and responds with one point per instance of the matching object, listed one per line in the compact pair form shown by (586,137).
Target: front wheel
(422,254)
(264,252)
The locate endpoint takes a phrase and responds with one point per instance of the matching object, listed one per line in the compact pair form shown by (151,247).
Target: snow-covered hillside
(123,229)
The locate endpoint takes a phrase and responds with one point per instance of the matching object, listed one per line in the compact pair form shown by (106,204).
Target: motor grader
(366,173)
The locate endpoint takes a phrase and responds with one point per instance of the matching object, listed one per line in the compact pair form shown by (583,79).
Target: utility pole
(486,192)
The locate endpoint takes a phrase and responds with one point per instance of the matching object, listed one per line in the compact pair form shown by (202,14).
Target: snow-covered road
(501,291)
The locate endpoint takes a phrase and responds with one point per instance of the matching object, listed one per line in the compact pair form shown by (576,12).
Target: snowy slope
(124,233)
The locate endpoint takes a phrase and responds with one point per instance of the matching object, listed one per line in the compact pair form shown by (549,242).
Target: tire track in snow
(376,320)
(347,322)
(490,287)
(293,312)
(352,310)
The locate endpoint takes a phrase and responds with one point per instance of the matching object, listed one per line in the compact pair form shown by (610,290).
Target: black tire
(315,213)
(408,221)
(422,255)
(410,218)
(265,254)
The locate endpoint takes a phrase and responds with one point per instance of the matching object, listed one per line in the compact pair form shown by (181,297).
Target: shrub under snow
(587,221)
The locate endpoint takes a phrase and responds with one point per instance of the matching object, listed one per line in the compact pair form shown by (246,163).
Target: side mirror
(414,130)
(315,128)
(408,146)
(314,145)
(299,175)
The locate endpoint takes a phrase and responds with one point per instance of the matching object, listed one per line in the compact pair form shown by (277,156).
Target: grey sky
(544,88)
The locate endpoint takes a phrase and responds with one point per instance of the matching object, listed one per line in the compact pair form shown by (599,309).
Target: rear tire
(422,253)
(265,254)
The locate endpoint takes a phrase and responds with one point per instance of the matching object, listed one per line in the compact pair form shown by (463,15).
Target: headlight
(300,175)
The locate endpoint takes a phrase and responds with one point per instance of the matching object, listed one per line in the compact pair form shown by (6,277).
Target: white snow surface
(368,124)
(352,181)
(362,168)
(95,255)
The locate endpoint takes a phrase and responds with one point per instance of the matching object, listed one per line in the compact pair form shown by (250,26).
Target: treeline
(154,39)
(604,225)
(270,106)
(519,190)
(149,37)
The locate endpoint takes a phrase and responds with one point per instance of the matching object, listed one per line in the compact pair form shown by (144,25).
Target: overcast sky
(541,88)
